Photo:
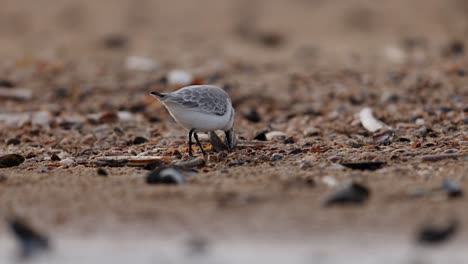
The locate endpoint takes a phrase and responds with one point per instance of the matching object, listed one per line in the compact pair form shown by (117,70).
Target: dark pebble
(295,151)
(165,176)
(433,235)
(353,193)
(270,39)
(31,242)
(6,83)
(61,92)
(154,119)
(137,108)
(11,160)
(289,140)
(277,156)
(139,140)
(55,157)
(455,48)
(102,172)
(261,136)
(371,165)
(115,41)
(253,116)
(452,188)
(13,141)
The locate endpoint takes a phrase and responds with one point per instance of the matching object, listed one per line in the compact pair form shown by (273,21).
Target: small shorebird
(201,108)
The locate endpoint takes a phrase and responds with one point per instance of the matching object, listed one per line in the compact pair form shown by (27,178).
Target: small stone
(370,165)
(55,157)
(261,136)
(139,140)
(165,176)
(253,116)
(353,193)
(330,180)
(140,63)
(11,160)
(6,83)
(13,141)
(277,156)
(311,131)
(289,140)
(115,41)
(108,117)
(433,235)
(275,136)
(295,151)
(67,162)
(102,172)
(179,77)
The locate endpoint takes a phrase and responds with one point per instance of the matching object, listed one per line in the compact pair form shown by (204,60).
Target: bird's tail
(158,95)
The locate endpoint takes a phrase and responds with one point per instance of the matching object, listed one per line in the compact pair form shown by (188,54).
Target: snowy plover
(201,108)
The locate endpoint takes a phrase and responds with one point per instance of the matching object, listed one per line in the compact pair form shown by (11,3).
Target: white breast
(201,122)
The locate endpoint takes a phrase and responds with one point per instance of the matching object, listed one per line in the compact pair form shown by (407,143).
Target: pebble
(311,131)
(30,241)
(261,136)
(276,156)
(55,157)
(115,41)
(295,151)
(139,140)
(253,116)
(275,136)
(179,77)
(67,162)
(13,141)
(370,165)
(395,54)
(433,235)
(102,172)
(353,193)
(11,160)
(420,122)
(330,180)
(165,176)
(140,63)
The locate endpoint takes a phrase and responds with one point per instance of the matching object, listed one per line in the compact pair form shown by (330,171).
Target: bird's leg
(190,141)
(228,139)
(199,144)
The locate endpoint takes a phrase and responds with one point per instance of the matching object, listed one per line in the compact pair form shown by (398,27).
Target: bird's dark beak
(158,95)
(230,139)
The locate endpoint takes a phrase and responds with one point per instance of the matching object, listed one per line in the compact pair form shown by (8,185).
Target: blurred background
(187,28)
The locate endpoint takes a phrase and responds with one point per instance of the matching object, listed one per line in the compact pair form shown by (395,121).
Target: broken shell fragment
(368,121)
